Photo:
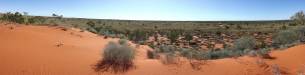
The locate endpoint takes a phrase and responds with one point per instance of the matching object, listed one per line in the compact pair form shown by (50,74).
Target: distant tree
(54,15)
(299,18)
(13,17)
(26,17)
(57,16)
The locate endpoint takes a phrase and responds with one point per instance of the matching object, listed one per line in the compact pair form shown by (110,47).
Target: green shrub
(285,37)
(116,58)
(245,42)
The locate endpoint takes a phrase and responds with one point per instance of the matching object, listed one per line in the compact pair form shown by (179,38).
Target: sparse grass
(276,70)
(116,58)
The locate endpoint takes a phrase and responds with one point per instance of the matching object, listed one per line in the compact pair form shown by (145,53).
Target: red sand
(43,50)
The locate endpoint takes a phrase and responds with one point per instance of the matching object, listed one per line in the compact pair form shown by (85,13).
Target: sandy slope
(33,50)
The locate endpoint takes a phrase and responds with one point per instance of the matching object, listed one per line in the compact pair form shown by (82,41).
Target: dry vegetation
(117,57)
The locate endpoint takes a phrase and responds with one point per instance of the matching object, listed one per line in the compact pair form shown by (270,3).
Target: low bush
(169,58)
(285,37)
(218,54)
(264,53)
(245,42)
(166,48)
(192,54)
(151,54)
(123,41)
(116,58)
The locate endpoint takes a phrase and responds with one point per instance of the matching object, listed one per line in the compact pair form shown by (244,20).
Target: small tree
(299,18)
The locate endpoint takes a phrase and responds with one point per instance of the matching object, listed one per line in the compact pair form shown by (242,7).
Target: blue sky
(184,10)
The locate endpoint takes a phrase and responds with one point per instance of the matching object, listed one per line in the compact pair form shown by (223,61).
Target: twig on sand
(59,44)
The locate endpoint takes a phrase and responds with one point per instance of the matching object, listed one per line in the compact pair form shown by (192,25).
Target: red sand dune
(43,50)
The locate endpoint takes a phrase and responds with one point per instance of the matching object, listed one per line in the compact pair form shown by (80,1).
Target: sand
(46,50)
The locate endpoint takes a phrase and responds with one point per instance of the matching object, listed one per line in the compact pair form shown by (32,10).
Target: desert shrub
(37,19)
(123,41)
(185,52)
(91,23)
(166,48)
(252,53)
(116,58)
(188,36)
(264,53)
(138,35)
(292,24)
(217,54)
(284,27)
(191,54)
(245,42)
(151,54)
(13,17)
(239,27)
(173,35)
(285,37)
(90,29)
(169,58)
